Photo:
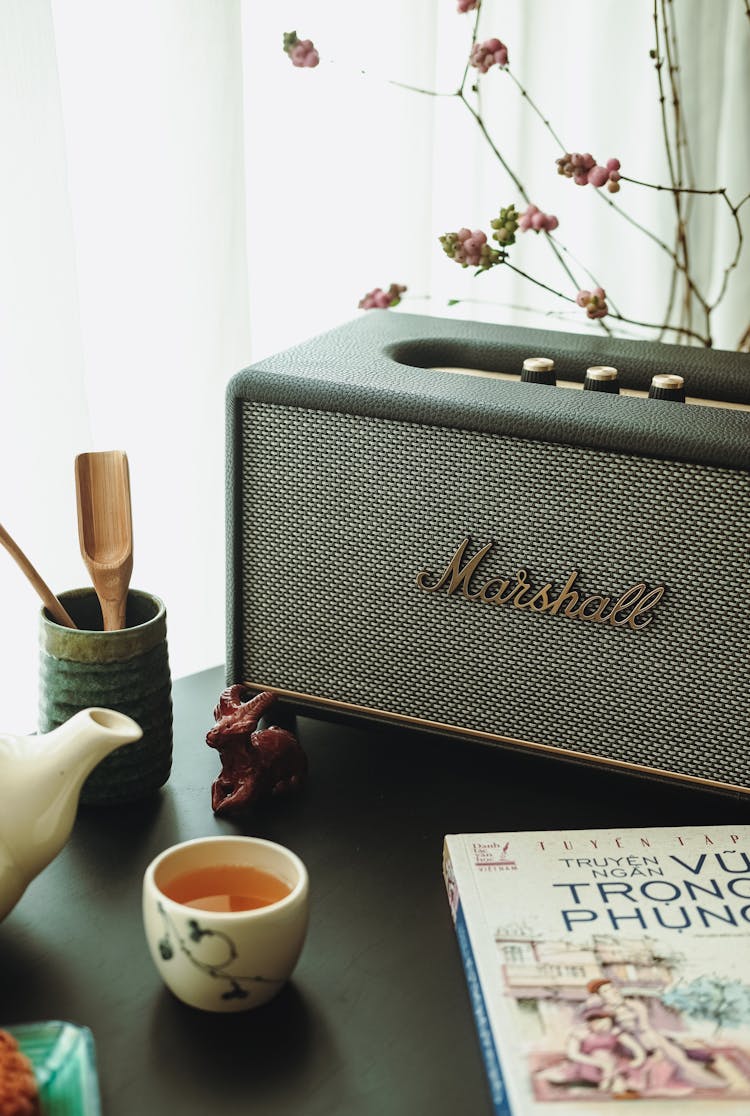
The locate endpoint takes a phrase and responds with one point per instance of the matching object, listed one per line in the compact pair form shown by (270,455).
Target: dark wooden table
(377,1019)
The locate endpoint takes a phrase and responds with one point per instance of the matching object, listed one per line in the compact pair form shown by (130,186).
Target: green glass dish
(64,1062)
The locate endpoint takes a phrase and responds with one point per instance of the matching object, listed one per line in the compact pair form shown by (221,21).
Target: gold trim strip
(495,738)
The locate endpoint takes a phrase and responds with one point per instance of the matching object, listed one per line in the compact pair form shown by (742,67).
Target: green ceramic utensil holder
(126,670)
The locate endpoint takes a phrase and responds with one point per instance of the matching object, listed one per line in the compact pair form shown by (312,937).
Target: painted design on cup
(217,970)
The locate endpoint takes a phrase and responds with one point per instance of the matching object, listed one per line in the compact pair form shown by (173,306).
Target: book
(608,970)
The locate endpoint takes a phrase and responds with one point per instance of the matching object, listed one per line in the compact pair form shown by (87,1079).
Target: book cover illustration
(609,971)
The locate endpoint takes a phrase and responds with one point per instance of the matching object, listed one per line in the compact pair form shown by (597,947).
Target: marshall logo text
(632,609)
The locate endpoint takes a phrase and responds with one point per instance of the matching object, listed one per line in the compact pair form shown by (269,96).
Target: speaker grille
(339,513)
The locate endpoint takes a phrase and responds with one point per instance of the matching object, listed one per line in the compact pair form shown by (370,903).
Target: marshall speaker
(416,535)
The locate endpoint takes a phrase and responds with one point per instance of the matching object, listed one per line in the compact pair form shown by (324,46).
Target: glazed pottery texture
(125,670)
(225,961)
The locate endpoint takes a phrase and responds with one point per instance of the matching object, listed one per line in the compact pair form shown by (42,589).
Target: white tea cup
(216,946)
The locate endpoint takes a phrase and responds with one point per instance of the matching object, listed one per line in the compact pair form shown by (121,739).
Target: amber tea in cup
(225,919)
(226,887)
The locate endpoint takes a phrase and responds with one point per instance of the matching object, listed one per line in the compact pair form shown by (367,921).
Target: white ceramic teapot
(40,781)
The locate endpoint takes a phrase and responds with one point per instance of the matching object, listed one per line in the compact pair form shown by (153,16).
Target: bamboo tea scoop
(51,603)
(105,529)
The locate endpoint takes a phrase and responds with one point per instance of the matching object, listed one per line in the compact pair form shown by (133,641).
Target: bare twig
(474,33)
(670,300)
(673,189)
(674,160)
(537,282)
(535,108)
(596,282)
(424,92)
(735,211)
(495,149)
(682,330)
(682,139)
(537,311)
(619,317)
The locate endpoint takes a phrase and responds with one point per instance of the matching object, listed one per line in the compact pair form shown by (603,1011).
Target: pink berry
(534,218)
(469,251)
(584,170)
(302,52)
(370,300)
(598,176)
(489,53)
(595,302)
(378,299)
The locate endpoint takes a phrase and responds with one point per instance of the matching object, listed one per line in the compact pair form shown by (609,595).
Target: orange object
(19,1095)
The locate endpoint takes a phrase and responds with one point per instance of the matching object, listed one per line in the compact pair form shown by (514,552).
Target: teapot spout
(67,755)
(89,736)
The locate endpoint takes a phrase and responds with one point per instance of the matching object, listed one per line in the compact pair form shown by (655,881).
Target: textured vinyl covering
(386,365)
(335,514)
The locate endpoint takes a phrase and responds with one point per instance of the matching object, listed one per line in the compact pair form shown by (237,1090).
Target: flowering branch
(581,300)
(591,170)
(471,248)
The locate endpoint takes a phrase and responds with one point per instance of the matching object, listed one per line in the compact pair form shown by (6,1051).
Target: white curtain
(123,296)
(177,200)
